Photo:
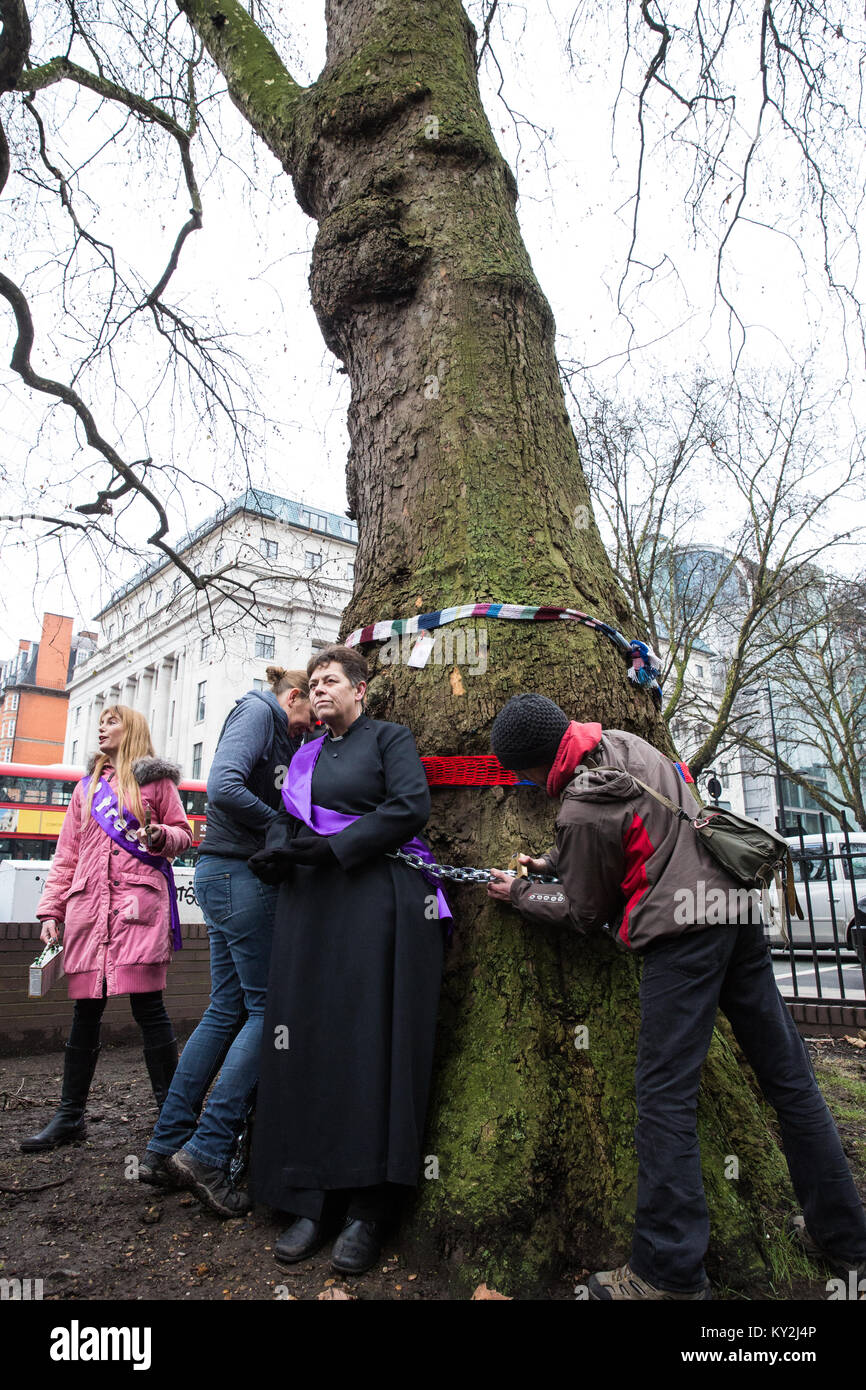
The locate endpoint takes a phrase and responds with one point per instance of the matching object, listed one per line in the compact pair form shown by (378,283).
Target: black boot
(161,1065)
(79,1064)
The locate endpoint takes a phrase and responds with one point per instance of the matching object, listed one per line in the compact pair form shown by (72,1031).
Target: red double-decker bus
(33,802)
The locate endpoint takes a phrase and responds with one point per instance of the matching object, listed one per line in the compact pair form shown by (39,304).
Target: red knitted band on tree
(481,770)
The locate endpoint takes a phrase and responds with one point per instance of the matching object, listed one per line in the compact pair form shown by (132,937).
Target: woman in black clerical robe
(353,987)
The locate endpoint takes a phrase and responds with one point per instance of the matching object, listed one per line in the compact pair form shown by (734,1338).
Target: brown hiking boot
(797,1228)
(623,1283)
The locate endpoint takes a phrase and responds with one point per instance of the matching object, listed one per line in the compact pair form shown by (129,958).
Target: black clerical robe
(353,989)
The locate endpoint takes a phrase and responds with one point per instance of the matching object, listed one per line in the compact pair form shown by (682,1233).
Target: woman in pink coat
(114,908)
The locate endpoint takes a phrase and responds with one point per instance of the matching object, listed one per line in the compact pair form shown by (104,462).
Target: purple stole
(119,827)
(298,801)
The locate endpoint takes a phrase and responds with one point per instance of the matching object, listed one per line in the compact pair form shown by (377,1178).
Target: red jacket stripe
(637,847)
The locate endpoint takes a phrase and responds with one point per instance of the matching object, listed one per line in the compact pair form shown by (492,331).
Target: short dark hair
(351,661)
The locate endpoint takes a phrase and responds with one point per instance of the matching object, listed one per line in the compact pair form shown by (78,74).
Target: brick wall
(41,728)
(32,1025)
(834,1019)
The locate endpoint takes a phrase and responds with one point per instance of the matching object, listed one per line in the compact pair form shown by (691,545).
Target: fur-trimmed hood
(145,770)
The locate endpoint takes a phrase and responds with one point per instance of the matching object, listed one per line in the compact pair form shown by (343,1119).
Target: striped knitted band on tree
(643,664)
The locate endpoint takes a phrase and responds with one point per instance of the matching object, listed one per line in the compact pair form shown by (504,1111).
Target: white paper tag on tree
(421,651)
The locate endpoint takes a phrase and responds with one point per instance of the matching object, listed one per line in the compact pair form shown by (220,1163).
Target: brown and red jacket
(624,861)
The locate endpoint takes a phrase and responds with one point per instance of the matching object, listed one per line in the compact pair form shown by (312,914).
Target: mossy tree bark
(465,479)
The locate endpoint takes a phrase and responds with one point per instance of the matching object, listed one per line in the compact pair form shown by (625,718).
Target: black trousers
(379,1203)
(148,1010)
(683,983)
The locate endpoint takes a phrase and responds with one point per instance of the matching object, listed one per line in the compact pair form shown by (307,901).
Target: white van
(822,878)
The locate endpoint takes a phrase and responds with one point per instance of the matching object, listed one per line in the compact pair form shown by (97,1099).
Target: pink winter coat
(115,908)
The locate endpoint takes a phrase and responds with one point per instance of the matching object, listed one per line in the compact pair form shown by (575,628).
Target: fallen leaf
(855,1042)
(483,1292)
(335,1294)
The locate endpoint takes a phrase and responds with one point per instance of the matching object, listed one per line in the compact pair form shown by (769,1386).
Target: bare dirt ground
(75,1219)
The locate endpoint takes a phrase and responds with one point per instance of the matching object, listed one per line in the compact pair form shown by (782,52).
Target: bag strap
(659,796)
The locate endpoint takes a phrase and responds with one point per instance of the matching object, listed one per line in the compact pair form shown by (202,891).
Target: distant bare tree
(819,691)
(713,500)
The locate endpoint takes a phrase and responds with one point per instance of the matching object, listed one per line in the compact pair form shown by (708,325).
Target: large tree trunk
(465,479)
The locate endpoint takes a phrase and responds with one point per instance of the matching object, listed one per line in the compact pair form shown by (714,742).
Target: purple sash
(119,828)
(298,801)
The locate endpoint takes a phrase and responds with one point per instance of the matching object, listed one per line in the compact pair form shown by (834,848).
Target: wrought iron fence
(826,953)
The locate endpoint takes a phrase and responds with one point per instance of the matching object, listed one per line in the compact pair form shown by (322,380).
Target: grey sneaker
(623,1283)
(211,1185)
(155,1171)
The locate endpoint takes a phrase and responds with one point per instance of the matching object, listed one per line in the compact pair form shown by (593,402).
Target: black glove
(272,866)
(310,849)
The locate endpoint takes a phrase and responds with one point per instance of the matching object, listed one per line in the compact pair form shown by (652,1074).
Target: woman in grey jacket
(256,745)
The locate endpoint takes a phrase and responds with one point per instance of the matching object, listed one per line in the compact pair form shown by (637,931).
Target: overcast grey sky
(249,265)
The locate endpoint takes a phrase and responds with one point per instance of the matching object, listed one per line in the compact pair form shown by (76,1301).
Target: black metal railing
(826,953)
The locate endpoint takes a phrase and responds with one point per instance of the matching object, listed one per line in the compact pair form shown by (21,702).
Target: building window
(157,598)
(350,569)
(204,649)
(349,530)
(200,701)
(258,684)
(268,548)
(142,607)
(312,559)
(109,632)
(175,588)
(6,755)
(13,700)
(171,721)
(700,671)
(77,714)
(264,645)
(196,761)
(317,521)
(74,754)
(218,555)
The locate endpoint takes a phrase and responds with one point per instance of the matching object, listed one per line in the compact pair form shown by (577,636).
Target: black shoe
(304,1237)
(358,1246)
(161,1063)
(154,1170)
(211,1185)
(79,1064)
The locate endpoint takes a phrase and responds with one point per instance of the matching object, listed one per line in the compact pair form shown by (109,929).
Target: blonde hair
(280,680)
(136,743)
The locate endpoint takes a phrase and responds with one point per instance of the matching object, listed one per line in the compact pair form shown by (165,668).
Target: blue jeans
(683,982)
(239,912)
